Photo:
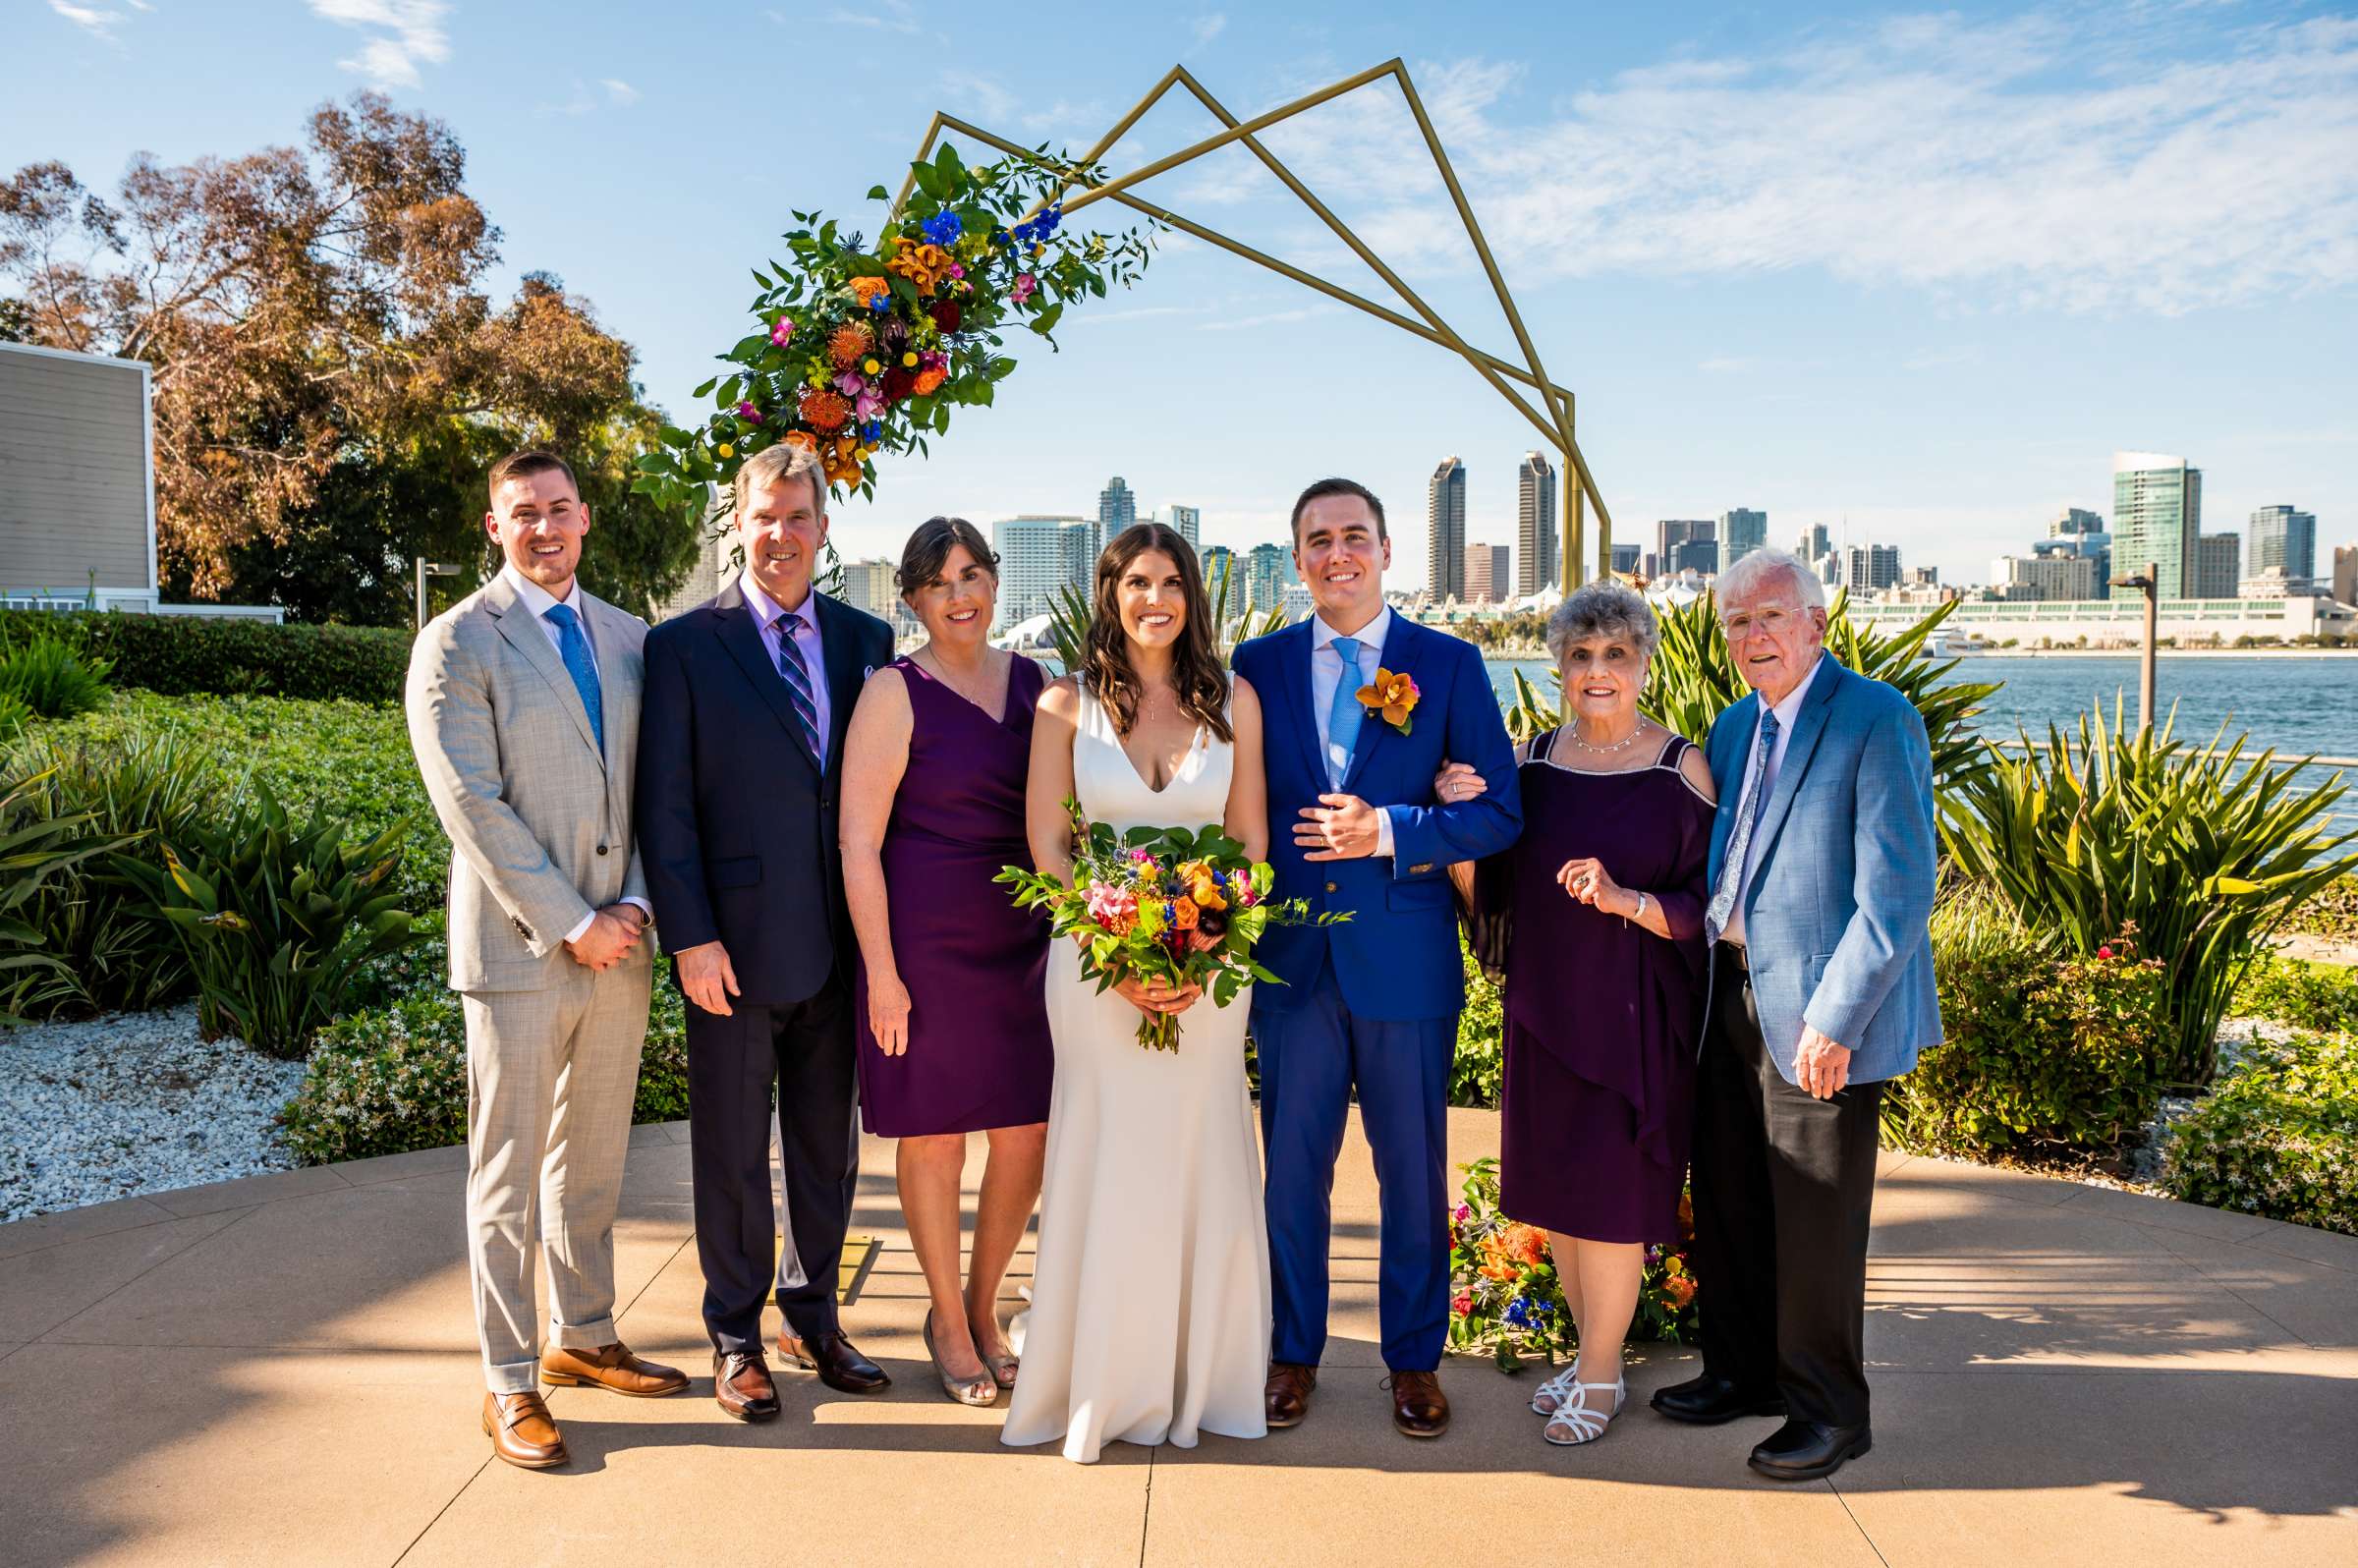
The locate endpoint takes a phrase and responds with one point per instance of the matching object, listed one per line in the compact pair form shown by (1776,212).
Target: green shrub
(184,655)
(14,717)
(2203,853)
(276,919)
(1477,1070)
(2332,911)
(2277,1135)
(2306,995)
(33,848)
(392,1080)
(2041,1049)
(50,678)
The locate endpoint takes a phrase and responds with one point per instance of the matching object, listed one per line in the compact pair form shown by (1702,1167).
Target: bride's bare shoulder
(1061,699)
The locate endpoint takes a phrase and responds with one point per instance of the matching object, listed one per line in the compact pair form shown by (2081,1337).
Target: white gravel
(129,1103)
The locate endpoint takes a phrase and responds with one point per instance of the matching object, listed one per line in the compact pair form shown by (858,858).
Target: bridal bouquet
(1163,903)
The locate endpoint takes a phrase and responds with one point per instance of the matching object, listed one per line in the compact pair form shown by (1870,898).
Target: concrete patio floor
(281,1371)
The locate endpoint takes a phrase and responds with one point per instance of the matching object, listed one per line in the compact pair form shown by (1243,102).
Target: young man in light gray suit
(523,712)
(1821,876)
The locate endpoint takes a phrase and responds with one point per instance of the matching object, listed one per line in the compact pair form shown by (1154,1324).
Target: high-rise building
(2283,540)
(2345,574)
(873,587)
(1487,578)
(1185,521)
(2157,517)
(1741,532)
(1117,507)
(1218,558)
(1445,530)
(2218,568)
(1867,568)
(2044,575)
(1266,573)
(1625,558)
(1539,526)
(1813,544)
(1038,556)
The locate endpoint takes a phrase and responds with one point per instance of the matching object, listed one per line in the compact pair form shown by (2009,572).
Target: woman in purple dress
(1595,915)
(952,999)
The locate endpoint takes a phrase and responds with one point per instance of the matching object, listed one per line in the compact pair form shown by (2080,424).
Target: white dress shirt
(1787,712)
(1325,675)
(768,614)
(541,601)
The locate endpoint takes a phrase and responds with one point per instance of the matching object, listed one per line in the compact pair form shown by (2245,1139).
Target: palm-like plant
(2199,855)
(33,847)
(1069,617)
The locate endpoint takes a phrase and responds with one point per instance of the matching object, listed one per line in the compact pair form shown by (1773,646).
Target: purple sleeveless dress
(975,966)
(1601,1015)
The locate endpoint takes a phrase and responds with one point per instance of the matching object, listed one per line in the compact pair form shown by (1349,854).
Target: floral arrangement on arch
(860,349)
(1505,1297)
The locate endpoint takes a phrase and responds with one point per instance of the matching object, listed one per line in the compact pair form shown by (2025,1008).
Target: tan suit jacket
(539,821)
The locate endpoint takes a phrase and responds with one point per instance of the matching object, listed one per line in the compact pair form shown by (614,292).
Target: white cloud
(401,34)
(1207,27)
(2058,161)
(883,16)
(100,24)
(621,93)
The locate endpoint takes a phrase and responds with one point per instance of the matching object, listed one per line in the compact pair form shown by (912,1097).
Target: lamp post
(427,569)
(2144,583)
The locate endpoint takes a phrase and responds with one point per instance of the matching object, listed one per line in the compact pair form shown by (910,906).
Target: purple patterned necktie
(790,665)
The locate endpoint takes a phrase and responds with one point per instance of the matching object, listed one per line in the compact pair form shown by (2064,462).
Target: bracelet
(1641,914)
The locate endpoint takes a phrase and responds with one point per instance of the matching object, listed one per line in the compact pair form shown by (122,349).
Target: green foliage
(180,654)
(1477,1071)
(2277,1135)
(277,918)
(14,717)
(34,847)
(394,1077)
(2204,854)
(2332,911)
(132,790)
(47,675)
(2305,995)
(2041,1049)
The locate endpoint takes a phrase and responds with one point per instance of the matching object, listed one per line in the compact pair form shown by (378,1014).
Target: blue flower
(1541,1311)
(1518,1312)
(943,228)
(873,431)
(999,237)
(882,303)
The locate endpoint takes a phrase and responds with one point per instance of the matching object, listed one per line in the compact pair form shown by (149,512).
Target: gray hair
(781,464)
(1604,608)
(1755,570)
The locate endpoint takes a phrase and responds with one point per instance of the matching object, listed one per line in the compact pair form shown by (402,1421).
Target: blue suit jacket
(1396,958)
(1837,919)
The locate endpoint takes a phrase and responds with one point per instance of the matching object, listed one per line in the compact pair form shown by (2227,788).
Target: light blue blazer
(1837,919)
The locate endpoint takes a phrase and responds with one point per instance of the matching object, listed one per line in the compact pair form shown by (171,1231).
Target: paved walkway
(281,1371)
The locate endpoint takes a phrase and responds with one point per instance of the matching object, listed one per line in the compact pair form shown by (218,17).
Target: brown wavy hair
(1196,671)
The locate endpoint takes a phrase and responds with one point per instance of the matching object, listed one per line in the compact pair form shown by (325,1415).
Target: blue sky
(1921,270)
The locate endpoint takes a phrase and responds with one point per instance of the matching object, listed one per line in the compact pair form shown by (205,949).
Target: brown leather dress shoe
(836,1360)
(1419,1406)
(741,1383)
(522,1432)
(613,1367)
(1287,1394)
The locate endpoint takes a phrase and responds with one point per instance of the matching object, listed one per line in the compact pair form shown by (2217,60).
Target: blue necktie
(1754,800)
(573,645)
(792,665)
(1343,718)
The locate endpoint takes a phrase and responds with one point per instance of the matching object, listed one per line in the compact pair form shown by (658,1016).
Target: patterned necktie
(1739,843)
(1343,718)
(790,665)
(573,646)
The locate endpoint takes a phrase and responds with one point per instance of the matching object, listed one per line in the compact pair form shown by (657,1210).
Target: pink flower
(2104,952)
(1114,908)
(851,383)
(1143,856)
(1462,1305)
(781,332)
(748,413)
(1464,1212)
(932,359)
(956,270)
(1025,286)
(867,406)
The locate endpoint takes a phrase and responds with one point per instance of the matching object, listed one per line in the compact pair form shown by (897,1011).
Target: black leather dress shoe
(839,1363)
(1709,1400)
(1804,1450)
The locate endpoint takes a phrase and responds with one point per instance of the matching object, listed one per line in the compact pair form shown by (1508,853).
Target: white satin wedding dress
(1149,1318)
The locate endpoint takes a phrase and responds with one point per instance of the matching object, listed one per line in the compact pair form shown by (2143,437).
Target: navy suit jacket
(1396,958)
(737,822)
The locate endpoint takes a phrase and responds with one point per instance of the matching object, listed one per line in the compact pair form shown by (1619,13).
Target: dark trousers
(1784,1187)
(806,1050)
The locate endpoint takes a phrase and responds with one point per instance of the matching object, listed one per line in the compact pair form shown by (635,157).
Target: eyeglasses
(1770,620)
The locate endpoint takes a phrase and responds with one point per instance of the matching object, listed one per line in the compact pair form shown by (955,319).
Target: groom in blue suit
(1372,1003)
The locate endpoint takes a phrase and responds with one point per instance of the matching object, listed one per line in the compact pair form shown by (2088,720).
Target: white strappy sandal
(1548,1395)
(1585,1424)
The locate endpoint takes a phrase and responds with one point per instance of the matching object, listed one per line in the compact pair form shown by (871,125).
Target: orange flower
(1501,1272)
(1525,1244)
(929,382)
(841,461)
(921,265)
(1183,914)
(804,439)
(824,408)
(865,290)
(1679,1289)
(849,343)
(1394,696)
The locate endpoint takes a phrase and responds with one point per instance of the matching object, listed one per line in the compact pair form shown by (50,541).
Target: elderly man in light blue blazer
(1821,876)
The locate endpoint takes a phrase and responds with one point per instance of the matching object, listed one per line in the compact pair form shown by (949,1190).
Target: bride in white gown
(1149,1317)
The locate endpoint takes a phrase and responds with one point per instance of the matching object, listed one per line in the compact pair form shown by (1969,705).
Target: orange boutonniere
(1392,696)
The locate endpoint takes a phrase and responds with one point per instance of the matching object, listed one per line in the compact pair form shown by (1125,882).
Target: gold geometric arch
(1554,421)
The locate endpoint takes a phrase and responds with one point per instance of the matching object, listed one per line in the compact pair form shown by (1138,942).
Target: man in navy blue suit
(740,783)
(1372,1003)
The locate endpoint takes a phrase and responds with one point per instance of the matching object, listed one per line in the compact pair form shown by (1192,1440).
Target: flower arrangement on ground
(860,349)
(1182,906)
(1505,1297)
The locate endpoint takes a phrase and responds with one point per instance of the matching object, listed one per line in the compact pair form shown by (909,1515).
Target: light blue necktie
(1749,806)
(573,645)
(1344,717)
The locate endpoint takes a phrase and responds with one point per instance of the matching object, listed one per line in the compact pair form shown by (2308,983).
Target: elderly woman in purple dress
(1595,915)
(952,986)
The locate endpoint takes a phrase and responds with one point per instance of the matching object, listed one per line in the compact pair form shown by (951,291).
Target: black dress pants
(806,1050)
(1784,1187)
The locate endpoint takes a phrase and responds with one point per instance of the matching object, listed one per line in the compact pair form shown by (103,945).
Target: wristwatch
(1641,914)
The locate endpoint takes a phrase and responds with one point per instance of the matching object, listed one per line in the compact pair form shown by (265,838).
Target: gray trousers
(551,1076)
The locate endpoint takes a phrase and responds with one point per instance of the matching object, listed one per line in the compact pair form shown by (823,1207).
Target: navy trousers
(1312,1053)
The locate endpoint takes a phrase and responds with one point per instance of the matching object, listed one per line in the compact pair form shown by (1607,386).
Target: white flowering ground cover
(130,1103)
